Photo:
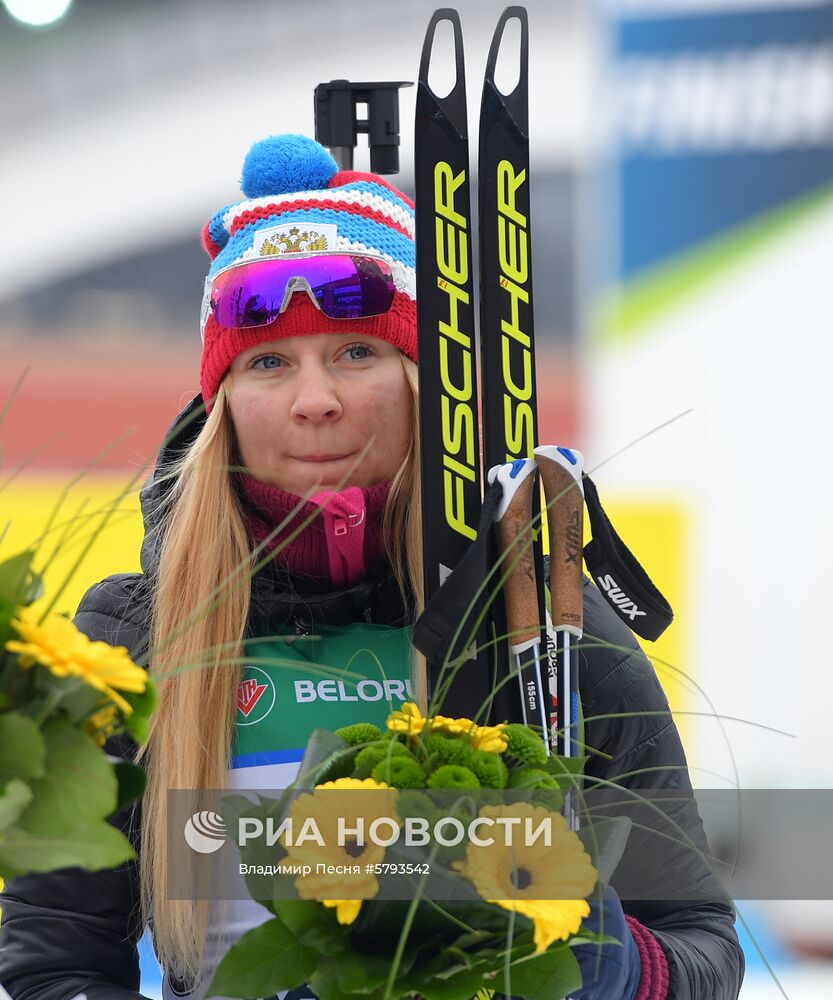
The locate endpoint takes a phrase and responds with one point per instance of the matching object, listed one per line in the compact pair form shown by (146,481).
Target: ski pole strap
(625,585)
(447,626)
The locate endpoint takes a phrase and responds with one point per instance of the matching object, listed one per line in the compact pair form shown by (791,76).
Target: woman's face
(305,408)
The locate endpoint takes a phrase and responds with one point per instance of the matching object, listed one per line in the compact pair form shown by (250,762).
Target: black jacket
(72,930)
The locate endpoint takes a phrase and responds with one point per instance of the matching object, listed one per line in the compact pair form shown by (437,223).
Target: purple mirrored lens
(350,287)
(345,287)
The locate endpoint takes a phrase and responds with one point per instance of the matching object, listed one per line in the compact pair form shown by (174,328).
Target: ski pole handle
(561,473)
(512,519)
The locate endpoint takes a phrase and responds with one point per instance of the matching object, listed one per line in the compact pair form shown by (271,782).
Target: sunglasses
(255,293)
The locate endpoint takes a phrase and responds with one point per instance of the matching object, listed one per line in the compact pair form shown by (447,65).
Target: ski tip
(440,15)
(509,14)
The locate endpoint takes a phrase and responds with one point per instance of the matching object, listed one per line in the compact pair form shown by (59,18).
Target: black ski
(507,328)
(507,336)
(449,425)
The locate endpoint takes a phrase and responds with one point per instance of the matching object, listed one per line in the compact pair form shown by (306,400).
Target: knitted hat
(297,200)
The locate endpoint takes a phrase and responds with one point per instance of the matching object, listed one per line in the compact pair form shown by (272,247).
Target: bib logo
(248,695)
(365,690)
(255,696)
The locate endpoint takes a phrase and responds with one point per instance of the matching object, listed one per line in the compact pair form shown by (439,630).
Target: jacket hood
(178,439)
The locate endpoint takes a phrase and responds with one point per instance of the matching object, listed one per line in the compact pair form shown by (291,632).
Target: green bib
(341,675)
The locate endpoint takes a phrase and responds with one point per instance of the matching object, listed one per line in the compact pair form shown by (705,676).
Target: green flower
(399,772)
(360,732)
(524,744)
(449,750)
(453,776)
(490,770)
(548,798)
(375,753)
(416,803)
(531,777)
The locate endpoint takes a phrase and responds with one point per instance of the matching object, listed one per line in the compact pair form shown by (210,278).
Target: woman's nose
(315,397)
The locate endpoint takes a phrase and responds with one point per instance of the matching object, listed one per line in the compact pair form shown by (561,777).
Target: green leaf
(459,984)
(22,748)
(266,959)
(605,841)
(143,704)
(78,784)
(554,973)
(257,852)
(327,937)
(324,981)
(491,918)
(523,946)
(466,940)
(464,958)
(298,915)
(64,825)
(19,584)
(78,700)
(92,846)
(322,749)
(131,784)
(362,973)
(13,800)
(565,770)
(592,937)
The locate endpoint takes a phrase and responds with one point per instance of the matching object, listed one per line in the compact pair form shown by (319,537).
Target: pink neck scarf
(342,545)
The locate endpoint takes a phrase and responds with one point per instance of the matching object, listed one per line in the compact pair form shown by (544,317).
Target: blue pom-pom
(283,164)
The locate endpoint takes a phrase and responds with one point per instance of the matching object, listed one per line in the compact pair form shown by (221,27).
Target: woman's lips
(320,458)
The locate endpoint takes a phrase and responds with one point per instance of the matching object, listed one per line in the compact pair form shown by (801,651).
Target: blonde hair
(198,623)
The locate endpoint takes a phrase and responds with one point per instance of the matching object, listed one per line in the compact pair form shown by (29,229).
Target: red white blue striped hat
(297,200)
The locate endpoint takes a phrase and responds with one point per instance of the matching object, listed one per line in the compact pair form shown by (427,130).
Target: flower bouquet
(61,697)
(466,914)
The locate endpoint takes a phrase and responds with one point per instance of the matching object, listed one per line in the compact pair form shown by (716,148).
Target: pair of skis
(457,517)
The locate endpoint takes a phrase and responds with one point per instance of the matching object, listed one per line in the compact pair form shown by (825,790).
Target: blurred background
(682,184)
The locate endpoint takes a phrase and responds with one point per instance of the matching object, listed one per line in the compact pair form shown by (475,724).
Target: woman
(300,461)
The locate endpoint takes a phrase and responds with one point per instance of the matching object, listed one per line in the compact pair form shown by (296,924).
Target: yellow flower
(328,813)
(530,878)
(346,909)
(58,645)
(102,722)
(553,919)
(407,720)
(457,727)
(491,738)
(353,784)
(488,738)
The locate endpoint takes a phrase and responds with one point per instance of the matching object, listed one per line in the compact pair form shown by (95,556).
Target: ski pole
(520,589)
(561,474)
